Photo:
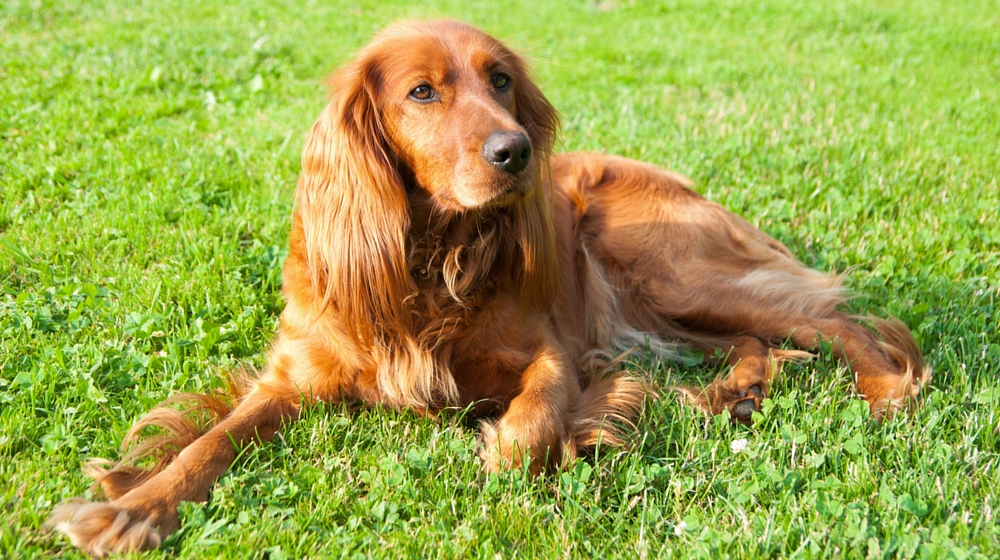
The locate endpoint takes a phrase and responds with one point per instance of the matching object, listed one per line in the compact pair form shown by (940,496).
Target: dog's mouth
(485,188)
(508,198)
(513,188)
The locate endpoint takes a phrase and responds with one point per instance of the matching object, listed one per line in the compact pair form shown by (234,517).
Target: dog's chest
(451,279)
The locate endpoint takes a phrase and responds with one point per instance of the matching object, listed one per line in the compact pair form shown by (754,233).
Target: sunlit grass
(148,153)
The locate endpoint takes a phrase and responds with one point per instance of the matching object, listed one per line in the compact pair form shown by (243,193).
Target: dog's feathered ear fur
(534,112)
(354,211)
(534,224)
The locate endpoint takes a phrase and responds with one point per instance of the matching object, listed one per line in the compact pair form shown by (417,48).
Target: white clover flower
(738,445)
(679,528)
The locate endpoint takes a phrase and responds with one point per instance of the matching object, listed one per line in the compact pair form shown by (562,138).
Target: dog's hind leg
(888,370)
(753,366)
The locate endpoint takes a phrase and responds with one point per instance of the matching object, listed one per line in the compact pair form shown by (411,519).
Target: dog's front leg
(535,429)
(145,514)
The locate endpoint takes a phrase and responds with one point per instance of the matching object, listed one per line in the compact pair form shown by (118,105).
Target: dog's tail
(180,420)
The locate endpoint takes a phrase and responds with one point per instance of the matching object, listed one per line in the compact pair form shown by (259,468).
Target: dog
(442,256)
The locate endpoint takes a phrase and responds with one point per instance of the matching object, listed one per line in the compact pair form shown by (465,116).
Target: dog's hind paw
(715,398)
(99,528)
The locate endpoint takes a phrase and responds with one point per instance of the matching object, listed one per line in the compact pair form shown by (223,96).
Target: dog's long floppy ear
(538,117)
(534,223)
(354,210)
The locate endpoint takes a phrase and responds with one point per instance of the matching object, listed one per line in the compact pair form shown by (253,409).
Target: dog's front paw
(504,447)
(99,528)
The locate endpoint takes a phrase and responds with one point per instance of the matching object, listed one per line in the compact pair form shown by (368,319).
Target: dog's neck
(451,254)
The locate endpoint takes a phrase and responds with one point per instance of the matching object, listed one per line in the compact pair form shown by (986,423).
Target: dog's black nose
(507,151)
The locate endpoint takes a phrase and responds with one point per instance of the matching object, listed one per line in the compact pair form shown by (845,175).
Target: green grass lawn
(148,155)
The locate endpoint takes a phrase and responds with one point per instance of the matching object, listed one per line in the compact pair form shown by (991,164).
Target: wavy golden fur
(441,255)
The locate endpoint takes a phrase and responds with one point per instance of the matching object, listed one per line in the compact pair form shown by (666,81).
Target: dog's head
(456,107)
(433,111)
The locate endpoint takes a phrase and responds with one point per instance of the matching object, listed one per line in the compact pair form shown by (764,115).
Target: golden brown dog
(440,255)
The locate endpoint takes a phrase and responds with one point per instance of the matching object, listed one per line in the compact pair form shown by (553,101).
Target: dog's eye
(500,81)
(422,93)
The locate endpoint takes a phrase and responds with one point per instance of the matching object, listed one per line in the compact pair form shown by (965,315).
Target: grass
(148,153)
